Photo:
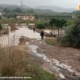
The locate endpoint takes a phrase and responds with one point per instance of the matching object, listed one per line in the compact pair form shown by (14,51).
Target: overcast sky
(33,3)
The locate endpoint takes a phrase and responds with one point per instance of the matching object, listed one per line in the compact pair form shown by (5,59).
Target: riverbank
(67,58)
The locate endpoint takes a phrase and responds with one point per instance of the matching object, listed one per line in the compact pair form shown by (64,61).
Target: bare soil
(69,56)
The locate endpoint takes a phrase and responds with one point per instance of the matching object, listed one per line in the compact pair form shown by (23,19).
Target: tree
(40,25)
(52,26)
(59,23)
(18,10)
(0,26)
(6,10)
(36,16)
(52,21)
(72,37)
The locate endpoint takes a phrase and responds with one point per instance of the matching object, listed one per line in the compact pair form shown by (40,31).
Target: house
(26,17)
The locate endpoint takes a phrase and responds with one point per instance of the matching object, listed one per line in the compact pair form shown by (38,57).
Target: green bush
(0,26)
(72,37)
(40,25)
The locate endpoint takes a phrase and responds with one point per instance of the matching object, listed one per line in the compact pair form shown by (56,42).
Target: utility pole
(21,4)
(8,28)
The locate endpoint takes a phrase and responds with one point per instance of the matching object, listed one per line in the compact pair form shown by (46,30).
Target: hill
(12,6)
(56,8)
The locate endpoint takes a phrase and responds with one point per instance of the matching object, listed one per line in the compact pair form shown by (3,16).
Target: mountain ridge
(51,8)
(56,8)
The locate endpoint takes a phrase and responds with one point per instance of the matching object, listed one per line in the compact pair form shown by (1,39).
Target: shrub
(64,42)
(72,37)
(14,62)
(73,33)
(40,25)
(11,62)
(0,26)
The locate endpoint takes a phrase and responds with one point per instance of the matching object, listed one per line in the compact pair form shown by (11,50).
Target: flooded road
(13,37)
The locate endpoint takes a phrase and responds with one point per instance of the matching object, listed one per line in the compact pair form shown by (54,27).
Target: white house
(26,17)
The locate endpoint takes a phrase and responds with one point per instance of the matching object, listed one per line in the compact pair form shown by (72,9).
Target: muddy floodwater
(13,37)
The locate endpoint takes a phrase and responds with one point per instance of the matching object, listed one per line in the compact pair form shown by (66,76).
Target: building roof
(24,15)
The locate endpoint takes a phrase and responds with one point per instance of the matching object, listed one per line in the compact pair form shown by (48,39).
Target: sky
(33,3)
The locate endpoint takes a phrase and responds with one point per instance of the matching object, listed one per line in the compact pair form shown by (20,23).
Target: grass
(52,42)
(14,62)
(39,74)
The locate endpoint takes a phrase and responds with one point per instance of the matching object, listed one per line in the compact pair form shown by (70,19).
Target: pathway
(53,61)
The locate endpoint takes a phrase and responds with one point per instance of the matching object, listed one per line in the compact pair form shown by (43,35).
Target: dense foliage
(47,14)
(72,37)
(40,25)
(58,23)
(0,26)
